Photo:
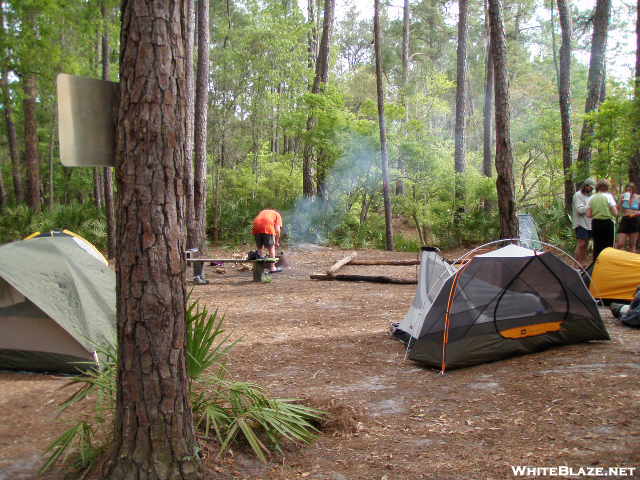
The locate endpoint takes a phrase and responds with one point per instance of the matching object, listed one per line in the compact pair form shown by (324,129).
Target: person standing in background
(582,223)
(602,210)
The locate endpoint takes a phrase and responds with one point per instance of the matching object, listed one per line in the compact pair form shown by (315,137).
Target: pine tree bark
(461,98)
(312,184)
(200,130)
(190,212)
(31,141)
(487,158)
(154,435)
(406,27)
(504,154)
(109,201)
(12,138)
(594,83)
(634,162)
(564,95)
(377,43)
(320,80)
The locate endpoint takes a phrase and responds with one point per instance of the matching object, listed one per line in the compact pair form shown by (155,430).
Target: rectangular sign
(87,112)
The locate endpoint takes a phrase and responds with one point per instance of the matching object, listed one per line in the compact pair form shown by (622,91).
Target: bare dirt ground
(328,343)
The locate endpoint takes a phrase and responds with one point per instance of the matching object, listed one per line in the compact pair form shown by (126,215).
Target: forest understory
(328,343)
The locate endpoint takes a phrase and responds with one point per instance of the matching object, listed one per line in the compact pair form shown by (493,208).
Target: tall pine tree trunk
(12,138)
(109,203)
(190,212)
(461,97)
(504,154)
(564,94)
(594,82)
(403,88)
(31,141)
(313,175)
(377,40)
(487,124)
(154,436)
(200,131)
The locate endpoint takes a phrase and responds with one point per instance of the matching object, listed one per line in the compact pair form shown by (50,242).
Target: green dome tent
(57,305)
(506,302)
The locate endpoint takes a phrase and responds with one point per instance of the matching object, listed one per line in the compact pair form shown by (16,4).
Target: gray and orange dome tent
(505,302)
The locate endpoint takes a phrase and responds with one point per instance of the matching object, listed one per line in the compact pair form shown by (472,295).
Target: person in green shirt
(602,210)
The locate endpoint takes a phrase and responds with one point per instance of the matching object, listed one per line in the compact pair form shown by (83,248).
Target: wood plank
(340,263)
(364,278)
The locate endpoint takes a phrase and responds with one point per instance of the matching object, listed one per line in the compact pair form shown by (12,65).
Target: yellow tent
(616,275)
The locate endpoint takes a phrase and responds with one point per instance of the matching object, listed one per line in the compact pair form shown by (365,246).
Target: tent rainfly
(57,305)
(507,302)
(616,275)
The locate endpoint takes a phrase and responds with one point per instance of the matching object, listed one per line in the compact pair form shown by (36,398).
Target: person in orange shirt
(266,228)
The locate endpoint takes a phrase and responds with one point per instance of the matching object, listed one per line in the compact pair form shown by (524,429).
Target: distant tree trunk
(564,94)
(594,83)
(403,88)
(634,163)
(461,98)
(311,183)
(320,80)
(98,187)
(200,132)
(154,436)
(312,35)
(109,203)
(31,141)
(377,43)
(487,159)
(3,191)
(12,138)
(504,154)
(190,212)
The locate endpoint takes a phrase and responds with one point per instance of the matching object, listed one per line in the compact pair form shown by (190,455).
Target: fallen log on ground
(364,278)
(385,262)
(341,263)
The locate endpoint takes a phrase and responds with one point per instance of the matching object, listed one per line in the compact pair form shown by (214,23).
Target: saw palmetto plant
(224,411)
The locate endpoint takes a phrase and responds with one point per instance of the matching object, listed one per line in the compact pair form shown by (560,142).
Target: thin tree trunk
(3,190)
(109,203)
(461,98)
(7,105)
(377,39)
(190,212)
(98,187)
(406,25)
(564,94)
(52,141)
(487,159)
(12,140)
(154,436)
(200,132)
(504,154)
(634,163)
(320,80)
(594,82)
(31,141)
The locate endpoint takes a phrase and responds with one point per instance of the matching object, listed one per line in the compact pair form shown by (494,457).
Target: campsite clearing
(329,343)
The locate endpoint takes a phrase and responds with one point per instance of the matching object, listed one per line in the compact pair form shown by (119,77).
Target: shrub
(235,411)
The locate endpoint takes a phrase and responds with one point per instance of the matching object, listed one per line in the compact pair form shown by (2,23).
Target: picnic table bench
(260,272)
